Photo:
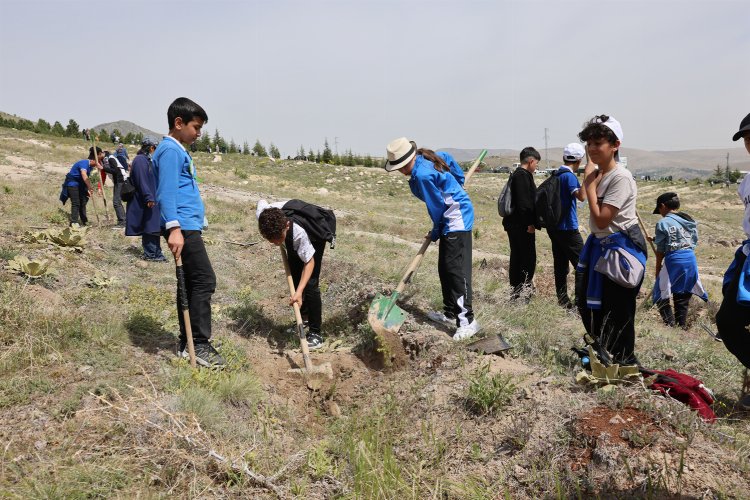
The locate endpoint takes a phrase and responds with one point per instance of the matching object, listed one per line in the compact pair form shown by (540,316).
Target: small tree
(138,138)
(72,129)
(245,148)
(42,126)
(368,161)
(258,149)
(129,138)
(318,157)
(310,155)
(327,155)
(232,146)
(103,134)
(57,129)
(274,151)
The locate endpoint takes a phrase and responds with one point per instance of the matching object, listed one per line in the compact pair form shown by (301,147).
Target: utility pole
(336,144)
(727,160)
(546,152)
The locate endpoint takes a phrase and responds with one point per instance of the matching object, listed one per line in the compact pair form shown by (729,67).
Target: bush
(489,393)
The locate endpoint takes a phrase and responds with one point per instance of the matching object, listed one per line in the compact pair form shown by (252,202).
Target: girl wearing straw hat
(437,180)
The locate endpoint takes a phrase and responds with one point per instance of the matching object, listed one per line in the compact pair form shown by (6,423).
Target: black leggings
(733,319)
(312,304)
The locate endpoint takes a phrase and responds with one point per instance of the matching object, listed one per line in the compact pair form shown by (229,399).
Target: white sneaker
(465,332)
(440,317)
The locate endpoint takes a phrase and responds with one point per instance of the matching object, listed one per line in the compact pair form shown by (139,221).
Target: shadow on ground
(148,334)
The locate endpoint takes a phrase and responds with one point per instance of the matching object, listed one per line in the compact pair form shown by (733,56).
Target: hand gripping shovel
(309,369)
(182,295)
(384,316)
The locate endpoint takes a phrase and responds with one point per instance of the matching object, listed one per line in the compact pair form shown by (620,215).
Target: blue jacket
(74,177)
(676,231)
(743,289)
(447,203)
(598,248)
(177,191)
(139,218)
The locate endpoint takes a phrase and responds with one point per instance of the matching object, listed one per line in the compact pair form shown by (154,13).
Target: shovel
(185,309)
(384,316)
(309,369)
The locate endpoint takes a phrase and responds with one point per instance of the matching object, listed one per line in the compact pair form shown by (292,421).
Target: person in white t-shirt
(733,317)
(606,295)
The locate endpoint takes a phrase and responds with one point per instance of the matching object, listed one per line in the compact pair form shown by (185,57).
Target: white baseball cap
(613,125)
(573,152)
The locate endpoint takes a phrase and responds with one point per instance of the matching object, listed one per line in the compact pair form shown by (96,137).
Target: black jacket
(523,195)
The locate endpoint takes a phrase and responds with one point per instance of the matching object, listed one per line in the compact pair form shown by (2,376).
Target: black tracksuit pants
(312,304)
(566,247)
(733,319)
(614,324)
(522,259)
(681,306)
(200,284)
(79,197)
(454,270)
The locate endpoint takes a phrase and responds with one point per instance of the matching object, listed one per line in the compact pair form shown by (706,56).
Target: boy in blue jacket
(437,180)
(676,266)
(182,216)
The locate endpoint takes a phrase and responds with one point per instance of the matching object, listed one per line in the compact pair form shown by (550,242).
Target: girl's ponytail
(430,155)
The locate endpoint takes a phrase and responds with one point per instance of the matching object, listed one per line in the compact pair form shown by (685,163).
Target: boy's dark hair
(595,129)
(429,154)
(529,153)
(184,108)
(93,156)
(271,223)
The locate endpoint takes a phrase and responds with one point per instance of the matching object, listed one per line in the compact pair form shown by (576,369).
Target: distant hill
(125,127)
(688,163)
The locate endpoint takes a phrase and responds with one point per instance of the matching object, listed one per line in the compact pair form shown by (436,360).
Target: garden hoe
(310,371)
(184,306)
(384,316)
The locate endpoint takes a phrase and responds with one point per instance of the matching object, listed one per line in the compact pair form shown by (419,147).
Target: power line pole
(336,144)
(546,152)
(727,160)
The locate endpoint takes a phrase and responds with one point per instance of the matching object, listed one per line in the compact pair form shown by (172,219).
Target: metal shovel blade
(385,315)
(494,344)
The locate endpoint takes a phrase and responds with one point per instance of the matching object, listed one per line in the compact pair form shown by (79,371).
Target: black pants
(733,319)
(614,324)
(117,203)
(79,197)
(312,304)
(566,247)
(522,259)
(454,270)
(681,305)
(200,284)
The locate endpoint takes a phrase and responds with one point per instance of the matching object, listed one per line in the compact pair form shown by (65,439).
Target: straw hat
(400,152)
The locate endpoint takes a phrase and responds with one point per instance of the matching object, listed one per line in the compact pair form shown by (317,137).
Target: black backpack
(548,205)
(318,222)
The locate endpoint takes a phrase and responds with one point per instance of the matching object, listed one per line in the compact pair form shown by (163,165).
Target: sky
(447,74)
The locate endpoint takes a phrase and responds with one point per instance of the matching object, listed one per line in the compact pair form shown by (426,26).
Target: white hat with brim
(399,153)
(614,126)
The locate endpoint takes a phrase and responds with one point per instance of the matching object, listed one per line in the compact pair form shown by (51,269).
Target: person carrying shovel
(280,224)
(437,180)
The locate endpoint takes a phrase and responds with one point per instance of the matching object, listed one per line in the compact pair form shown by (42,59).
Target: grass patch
(489,393)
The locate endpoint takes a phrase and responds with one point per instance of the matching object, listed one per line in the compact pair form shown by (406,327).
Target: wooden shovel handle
(297,313)
(645,233)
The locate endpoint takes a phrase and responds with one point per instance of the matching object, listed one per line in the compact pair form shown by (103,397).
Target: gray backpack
(504,201)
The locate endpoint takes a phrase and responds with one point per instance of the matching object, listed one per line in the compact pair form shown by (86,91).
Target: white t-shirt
(300,240)
(744,192)
(617,188)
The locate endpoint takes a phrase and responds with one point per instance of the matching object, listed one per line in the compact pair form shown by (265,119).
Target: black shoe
(205,354)
(314,341)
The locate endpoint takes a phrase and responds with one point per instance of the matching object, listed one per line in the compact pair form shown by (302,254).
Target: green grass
(487,394)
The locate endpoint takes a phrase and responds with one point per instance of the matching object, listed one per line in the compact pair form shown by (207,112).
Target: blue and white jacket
(447,203)
(743,289)
(616,257)
(177,191)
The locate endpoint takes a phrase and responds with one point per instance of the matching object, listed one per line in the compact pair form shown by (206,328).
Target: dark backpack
(548,205)
(505,199)
(127,191)
(319,223)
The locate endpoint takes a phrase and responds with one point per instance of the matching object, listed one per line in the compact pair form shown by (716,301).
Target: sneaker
(161,258)
(744,402)
(465,332)
(314,341)
(440,317)
(205,355)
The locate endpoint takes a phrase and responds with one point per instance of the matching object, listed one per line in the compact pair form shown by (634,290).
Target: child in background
(437,180)
(77,186)
(143,218)
(676,266)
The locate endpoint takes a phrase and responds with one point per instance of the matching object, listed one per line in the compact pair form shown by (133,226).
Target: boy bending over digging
(304,229)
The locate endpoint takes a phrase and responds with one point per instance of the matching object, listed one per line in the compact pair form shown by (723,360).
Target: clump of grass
(7,253)
(205,406)
(489,393)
